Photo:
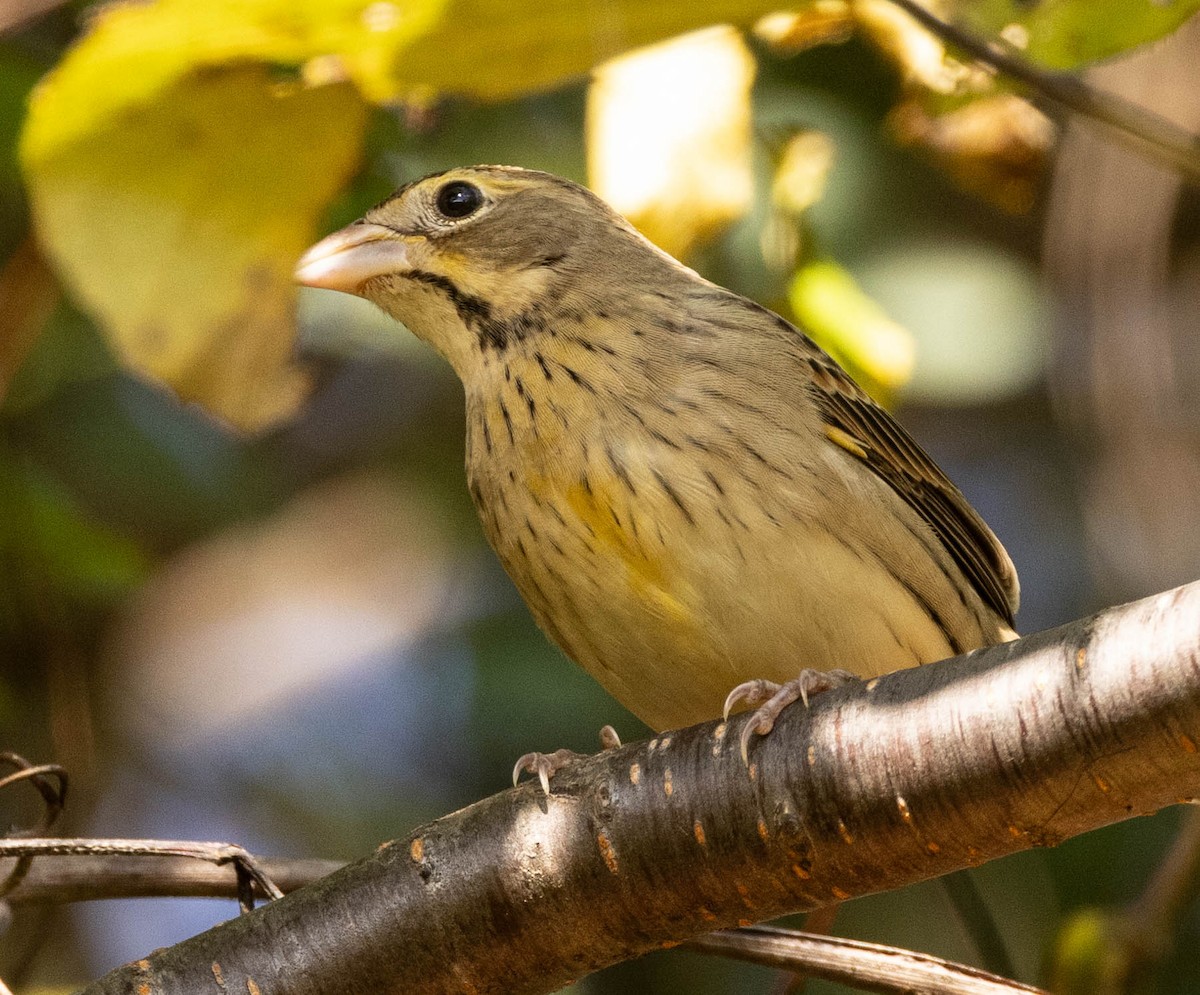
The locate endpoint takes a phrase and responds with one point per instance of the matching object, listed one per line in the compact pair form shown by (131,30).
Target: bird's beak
(348,258)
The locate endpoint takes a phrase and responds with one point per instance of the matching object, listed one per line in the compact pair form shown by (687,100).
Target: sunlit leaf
(501,48)
(853,327)
(917,53)
(669,136)
(804,165)
(823,22)
(1065,34)
(995,146)
(175,216)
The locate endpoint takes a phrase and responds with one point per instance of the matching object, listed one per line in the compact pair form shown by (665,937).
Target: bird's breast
(675,551)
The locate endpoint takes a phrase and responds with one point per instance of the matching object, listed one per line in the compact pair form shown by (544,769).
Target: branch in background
(248,873)
(50,782)
(30,293)
(877,786)
(868,966)
(1109,951)
(1151,922)
(1139,128)
(86,877)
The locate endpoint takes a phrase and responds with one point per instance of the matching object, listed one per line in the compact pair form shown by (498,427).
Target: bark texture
(878,785)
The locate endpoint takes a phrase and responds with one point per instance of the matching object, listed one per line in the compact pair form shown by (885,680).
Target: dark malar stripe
(475,312)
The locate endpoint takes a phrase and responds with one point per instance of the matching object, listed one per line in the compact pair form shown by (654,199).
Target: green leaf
(55,556)
(69,352)
(16,80)
(1066,34)
(1085,957)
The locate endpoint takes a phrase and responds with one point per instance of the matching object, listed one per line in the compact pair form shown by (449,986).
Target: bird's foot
(546,765)
(770,699)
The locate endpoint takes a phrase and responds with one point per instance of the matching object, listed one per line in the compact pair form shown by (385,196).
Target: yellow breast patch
(612,533)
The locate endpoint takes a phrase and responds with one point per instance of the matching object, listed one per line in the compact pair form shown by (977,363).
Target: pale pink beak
(348,258)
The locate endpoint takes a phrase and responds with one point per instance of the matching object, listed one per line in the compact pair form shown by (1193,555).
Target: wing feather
(865,430)
(891,452)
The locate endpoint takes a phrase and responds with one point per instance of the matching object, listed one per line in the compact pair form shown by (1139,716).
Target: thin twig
(870,967)
(90,877)
(1143,130)
(15,14)
(54,797)
(215,853)
(819,922)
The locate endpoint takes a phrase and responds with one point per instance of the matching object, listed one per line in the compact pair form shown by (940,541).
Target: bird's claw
(545,765)
(770,699)
(750,694)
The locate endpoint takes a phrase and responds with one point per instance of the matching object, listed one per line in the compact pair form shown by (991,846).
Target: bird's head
(472,257)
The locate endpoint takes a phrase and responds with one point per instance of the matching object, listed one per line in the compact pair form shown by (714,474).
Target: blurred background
(243,593)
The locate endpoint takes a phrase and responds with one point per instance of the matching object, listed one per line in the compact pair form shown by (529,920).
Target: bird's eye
(458,199)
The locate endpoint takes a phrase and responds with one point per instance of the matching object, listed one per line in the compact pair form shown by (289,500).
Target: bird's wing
(864,429)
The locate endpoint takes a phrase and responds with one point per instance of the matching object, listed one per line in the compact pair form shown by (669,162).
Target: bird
(698,505)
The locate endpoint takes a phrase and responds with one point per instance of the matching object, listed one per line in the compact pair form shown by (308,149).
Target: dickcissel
(689,493)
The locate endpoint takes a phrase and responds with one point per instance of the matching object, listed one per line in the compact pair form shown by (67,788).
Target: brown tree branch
(876,786)
(1152,921)
(30,293)
(17,13)
(82,877)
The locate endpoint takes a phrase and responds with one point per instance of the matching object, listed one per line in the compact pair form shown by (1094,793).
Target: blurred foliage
(230,636)
(853,327)
(668,136)
(1064,34)
(151,151)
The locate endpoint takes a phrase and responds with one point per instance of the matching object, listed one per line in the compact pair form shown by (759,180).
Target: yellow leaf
(919,55)
(996,146)
(177,228)
(841,317)
(822,22)
(179,157)
(804,166)
(668,132)
(498,49)
(173,199)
